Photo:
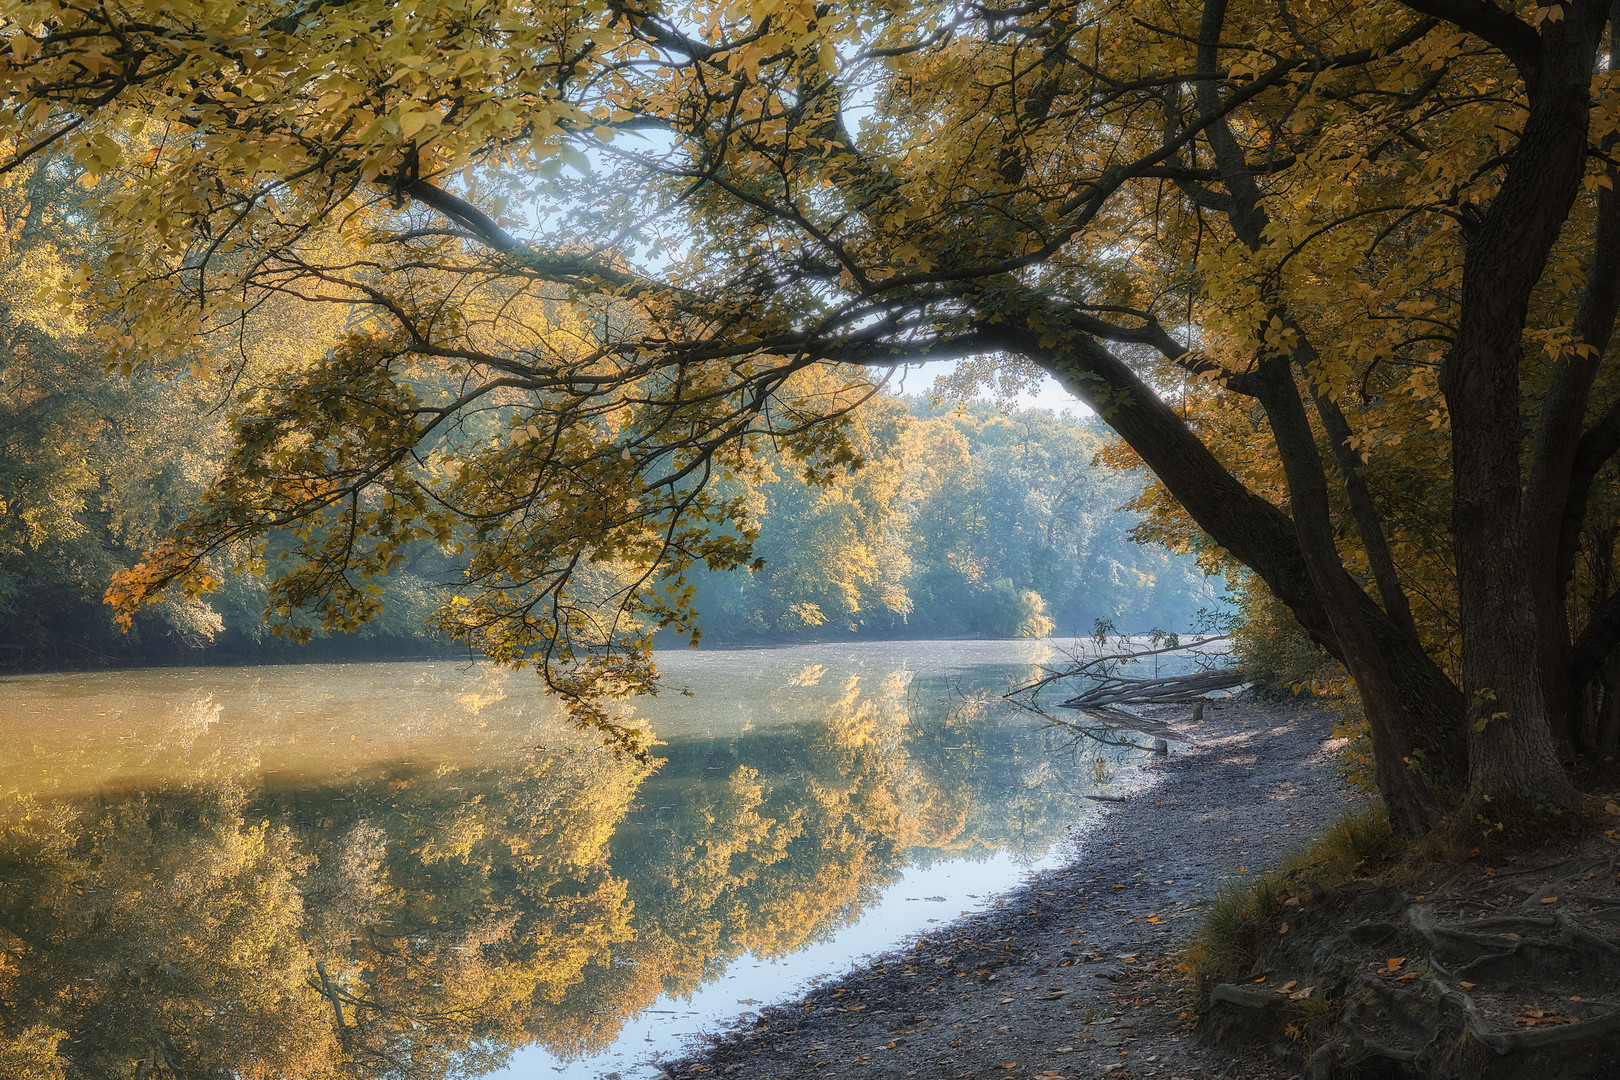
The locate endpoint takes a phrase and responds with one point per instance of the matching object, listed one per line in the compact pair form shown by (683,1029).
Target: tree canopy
(1344,278)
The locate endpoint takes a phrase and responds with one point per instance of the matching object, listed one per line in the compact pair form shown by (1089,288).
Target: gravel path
(1072,974)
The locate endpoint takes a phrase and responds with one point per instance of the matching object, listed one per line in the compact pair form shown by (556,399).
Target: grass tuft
(1350,848)
(1244,915)
(1234,928)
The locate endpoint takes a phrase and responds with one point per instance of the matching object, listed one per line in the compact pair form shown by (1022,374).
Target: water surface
(412,869)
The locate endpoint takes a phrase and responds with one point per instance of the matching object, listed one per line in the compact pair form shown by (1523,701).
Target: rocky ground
(1072,975)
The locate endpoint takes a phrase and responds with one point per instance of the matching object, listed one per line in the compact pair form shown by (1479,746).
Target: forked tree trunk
(1414,712)
(1369,639)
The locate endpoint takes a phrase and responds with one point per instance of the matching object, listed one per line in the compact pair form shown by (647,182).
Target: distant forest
(962,521)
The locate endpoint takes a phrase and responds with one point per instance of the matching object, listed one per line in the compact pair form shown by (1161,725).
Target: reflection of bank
(413,915)
(410,916)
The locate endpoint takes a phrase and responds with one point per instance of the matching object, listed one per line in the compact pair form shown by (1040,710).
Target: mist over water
(408,869)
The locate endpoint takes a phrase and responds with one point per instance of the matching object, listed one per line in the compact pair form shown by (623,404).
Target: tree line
(964,521)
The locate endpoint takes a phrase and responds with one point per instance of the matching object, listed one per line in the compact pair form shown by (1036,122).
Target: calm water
(381,870)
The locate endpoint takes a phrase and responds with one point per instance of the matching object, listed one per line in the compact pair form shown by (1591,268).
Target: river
(420,869)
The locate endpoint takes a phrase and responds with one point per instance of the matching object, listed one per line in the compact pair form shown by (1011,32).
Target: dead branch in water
(1106,665)
(1107,701)
(1168,690)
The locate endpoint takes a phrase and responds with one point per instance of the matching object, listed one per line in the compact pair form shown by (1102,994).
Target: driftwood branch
(1107,721)
(1169,690)
(1109,695)
(1104,664)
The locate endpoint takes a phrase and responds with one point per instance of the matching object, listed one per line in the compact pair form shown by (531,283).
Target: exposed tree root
(1486,976)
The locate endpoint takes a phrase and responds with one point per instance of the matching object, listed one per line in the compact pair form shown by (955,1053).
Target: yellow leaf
(412,122)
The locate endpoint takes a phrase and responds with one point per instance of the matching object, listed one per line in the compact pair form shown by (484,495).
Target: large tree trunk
(1413,711)
(1512,759)
(1561,475)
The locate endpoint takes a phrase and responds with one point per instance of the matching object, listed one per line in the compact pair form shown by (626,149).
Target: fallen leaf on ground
(1530,1016)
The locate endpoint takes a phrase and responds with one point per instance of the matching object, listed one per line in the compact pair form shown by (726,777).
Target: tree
(92,468)
(1343,224)
(95,467)
(1013,515)
(964,520)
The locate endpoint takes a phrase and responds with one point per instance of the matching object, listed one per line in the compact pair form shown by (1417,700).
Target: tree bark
(1512,758)
(1416,710)
(1399,748)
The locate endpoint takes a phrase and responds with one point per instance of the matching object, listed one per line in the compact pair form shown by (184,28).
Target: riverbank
(1072,975)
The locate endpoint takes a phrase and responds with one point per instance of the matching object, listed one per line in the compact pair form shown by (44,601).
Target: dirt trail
(1071,974)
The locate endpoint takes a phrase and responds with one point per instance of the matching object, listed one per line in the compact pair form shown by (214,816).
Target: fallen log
(1116,690)
(1109,721)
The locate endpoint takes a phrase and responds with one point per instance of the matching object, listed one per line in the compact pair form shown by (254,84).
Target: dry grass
(1243,917)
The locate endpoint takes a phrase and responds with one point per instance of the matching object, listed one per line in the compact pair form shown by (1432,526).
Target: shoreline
(1072,973)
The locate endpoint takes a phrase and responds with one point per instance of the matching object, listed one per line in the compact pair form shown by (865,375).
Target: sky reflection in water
(384,870)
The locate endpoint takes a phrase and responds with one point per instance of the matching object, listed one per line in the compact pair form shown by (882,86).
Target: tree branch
(1597,640)
(1517,40)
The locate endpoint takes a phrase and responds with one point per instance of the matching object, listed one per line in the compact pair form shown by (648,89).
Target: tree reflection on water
(405,920)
